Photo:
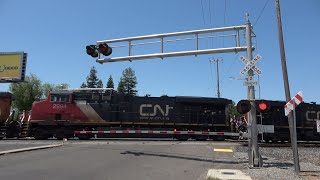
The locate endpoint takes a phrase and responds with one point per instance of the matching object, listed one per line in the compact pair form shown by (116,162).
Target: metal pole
(291,121)
(217,61)
(259,86)
(256,160)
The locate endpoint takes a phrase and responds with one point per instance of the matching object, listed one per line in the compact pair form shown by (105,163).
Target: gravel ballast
(278,163)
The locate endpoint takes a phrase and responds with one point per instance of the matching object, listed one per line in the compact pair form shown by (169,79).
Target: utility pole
(218,80)
(255,159)
(292,123)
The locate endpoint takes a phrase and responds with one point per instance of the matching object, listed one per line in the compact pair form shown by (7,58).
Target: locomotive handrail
(22,117)
(10,116)
(29,116)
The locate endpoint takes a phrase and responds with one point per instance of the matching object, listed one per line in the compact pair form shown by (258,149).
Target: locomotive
(85,110)
(100,109)
(307,115)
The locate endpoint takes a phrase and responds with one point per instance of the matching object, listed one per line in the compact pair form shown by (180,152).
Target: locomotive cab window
(59,98)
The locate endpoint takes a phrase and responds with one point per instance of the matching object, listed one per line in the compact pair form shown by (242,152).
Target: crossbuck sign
(250,65)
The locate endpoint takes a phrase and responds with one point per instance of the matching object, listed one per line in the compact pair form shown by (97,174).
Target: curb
(30,149)
(224,174)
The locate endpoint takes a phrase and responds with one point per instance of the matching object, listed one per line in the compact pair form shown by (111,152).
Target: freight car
(66,112)
(8,127)
(272,117)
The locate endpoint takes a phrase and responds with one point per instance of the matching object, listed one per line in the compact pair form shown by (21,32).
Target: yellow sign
(11,66)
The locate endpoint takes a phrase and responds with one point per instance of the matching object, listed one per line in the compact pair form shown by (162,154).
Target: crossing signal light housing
(92,51)
(262,106)
(104,49)
(243,106)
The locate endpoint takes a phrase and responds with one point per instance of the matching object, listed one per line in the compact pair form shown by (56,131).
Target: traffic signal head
(92,51)
(262,106)
(243,106)
(105,49)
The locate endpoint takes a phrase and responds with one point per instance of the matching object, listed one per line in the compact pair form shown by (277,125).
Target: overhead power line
(261,12)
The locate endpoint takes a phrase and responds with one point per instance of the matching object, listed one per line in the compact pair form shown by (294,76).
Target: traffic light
(92,51)
(243,106)
(105,49)
(262,106)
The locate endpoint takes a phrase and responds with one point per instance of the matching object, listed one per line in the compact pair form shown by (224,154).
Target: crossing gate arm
(159,132)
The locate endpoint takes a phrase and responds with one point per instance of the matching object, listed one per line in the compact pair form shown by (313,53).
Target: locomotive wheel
(84,137)
(201,138)
(183,137)
(39,135)
(218,138)
(60,134)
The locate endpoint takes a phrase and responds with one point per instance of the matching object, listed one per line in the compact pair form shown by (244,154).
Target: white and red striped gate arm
(296,100)
(158,132)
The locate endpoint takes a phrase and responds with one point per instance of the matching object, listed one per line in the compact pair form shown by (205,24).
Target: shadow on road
(136,153)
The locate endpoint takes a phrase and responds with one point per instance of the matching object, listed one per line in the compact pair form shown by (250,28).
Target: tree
(121,87)
(128,82)
(26,92)
(99,84)
(232,110)
(47,87)
(83,85)
(110,83)
(92,79)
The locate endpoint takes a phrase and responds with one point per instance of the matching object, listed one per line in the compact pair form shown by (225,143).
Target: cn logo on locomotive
(146,108)
(312,115)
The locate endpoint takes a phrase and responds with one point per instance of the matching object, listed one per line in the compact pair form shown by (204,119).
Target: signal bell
(92,51)
(105,49)
(262,106)
(243,106)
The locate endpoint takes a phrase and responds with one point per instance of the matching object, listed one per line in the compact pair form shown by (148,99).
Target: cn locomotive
(65,112)
(307,115)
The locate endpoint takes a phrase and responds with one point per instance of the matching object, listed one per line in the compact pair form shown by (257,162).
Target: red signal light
(263,106)
(105,49)
(92,51)
(243,106)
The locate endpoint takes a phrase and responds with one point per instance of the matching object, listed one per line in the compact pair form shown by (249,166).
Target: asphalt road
(119,160)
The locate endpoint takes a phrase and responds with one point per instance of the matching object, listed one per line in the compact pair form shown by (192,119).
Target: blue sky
(54,33)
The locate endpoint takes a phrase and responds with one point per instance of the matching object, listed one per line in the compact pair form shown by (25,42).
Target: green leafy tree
(128,82)
(26,92)
(110,83)
(47,87)
(232,110)
(92,79)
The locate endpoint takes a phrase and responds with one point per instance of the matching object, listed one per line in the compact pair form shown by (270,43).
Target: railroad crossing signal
(250,65)
(263,106)
(94,50)
(243,106)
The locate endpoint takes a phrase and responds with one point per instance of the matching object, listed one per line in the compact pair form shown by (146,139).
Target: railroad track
(283,144)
